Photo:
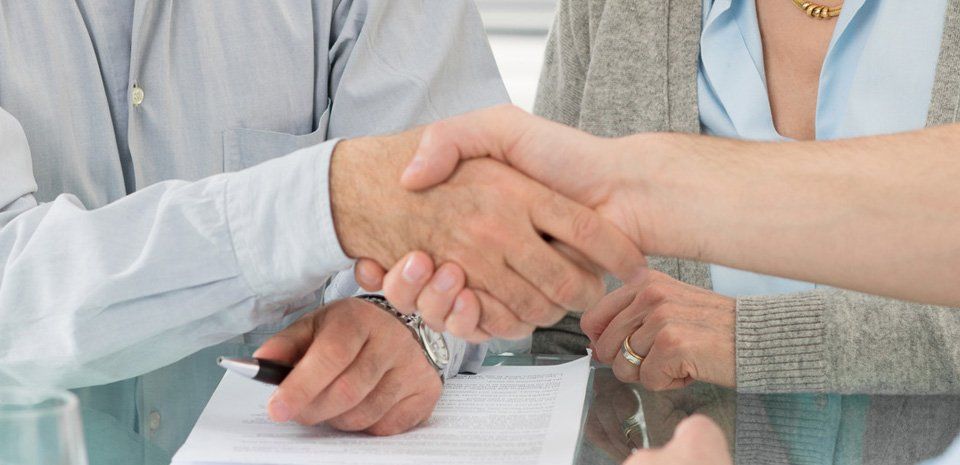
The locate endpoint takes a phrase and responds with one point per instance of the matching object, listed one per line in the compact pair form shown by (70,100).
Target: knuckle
(499,326)
(539,313)
(351,421)
(669,340)
(650,383)
(386,428)
(336,355)
(587,226)
(654,293)
(656,318)
(346,392)
(568,288)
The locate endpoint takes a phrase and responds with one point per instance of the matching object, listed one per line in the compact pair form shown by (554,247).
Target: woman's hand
(684,333)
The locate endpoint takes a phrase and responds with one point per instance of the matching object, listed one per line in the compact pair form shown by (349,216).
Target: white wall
(518,34)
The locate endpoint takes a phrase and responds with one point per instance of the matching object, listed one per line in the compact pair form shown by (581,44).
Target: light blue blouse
(877,78)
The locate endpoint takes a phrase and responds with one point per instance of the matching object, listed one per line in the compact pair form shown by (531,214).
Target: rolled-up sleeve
(93,296)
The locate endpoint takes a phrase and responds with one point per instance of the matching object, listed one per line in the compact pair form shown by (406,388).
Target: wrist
(364,191)
(648,189)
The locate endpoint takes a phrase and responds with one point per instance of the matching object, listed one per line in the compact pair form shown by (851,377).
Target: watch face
(435,346)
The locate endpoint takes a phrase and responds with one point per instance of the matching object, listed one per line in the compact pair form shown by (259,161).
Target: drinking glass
(40,427)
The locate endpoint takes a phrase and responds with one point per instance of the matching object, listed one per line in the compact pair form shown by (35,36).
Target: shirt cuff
(464,357)
(281,223)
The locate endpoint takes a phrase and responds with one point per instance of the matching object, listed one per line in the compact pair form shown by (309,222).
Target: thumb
(483,133)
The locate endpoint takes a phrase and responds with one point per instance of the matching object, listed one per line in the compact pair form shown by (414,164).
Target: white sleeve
(93,296)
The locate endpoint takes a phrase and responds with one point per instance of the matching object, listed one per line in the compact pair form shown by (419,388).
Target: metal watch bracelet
(410,321)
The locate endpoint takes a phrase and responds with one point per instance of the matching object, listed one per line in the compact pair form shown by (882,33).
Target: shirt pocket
(243,148)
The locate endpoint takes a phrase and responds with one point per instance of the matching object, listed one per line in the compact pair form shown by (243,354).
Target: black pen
(265,371)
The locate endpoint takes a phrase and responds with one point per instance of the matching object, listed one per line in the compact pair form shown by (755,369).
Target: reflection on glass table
(815,428)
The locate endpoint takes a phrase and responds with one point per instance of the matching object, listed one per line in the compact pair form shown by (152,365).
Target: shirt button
(136,95)
(153,421)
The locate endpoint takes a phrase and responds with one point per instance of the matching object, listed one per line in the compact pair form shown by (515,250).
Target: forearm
(93,296)
(862,213)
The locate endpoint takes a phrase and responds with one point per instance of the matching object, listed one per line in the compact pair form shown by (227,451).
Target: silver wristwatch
(433,344)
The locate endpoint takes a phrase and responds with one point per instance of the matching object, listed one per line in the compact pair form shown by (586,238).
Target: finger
(556,276)
(289,345)
(334,348)
(624,370)
(406,280)
(524,300)
(624,324)
(596,320)
(577,258)
(406,415)
(396,386)
(369,274)
(390,390)
(445,143)
(661,371)
(353,386)
(498,321)
(464,319)
(641,340)
(587,232)
(437,298)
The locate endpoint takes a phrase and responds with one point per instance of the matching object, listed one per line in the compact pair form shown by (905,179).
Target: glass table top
(762,429)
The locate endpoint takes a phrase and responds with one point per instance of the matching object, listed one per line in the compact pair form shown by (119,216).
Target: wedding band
(631,425)
(629,354)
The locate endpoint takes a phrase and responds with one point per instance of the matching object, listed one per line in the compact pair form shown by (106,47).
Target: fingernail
(458,305)
(279,412)
(444,281)
(364,275)
(415,166)
(413,271)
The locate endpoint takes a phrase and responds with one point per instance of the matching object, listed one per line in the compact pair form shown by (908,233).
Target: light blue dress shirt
(877,78)
(140,238)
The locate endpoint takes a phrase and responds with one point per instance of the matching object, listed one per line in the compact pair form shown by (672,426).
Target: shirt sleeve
(93,296)
(396,65)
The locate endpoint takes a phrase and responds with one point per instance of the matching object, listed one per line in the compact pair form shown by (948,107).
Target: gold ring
(629,354)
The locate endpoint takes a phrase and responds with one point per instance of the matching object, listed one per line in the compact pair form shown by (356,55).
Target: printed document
(504,415)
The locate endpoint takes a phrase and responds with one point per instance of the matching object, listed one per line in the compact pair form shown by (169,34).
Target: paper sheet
(505,415)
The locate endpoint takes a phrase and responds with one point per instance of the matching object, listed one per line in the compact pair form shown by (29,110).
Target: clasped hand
(491,229)
(685,333)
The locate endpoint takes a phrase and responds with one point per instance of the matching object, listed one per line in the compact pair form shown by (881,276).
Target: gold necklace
(815,10)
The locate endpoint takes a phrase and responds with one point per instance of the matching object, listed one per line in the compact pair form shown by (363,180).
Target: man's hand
(488,220)
(696,441)
(684,332)
(594,171)
(356,367)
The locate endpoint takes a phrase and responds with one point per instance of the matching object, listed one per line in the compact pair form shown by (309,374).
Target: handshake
(511,219)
